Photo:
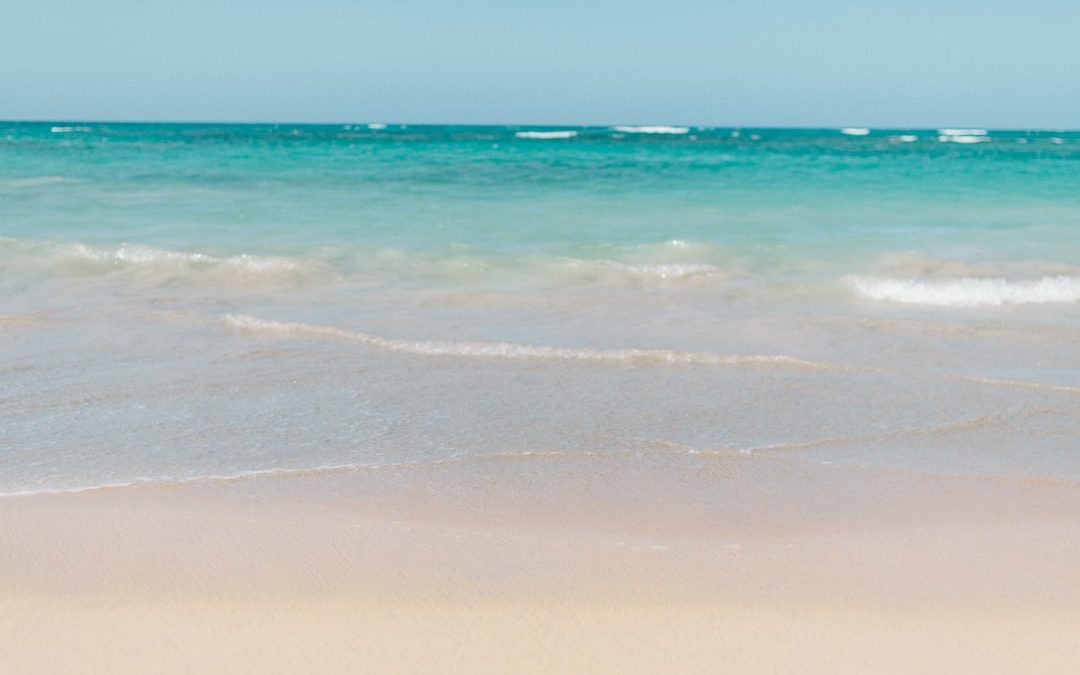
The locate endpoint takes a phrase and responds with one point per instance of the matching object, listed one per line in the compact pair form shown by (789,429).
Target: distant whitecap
(957,138)
(658,129)
(546,134)
(855,131)
(961,132)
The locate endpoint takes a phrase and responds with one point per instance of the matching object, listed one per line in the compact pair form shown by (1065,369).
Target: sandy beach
(383,572)
(455,400)
(520,338)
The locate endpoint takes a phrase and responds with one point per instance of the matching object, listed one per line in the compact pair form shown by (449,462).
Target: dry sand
(396,574)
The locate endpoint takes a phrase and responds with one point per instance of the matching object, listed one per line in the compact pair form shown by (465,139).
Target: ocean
(210,302)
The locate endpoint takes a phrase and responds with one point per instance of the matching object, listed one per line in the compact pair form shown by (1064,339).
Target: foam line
(968,292)
(506,350)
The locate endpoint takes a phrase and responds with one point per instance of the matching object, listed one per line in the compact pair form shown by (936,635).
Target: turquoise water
(181,302)
(766,197)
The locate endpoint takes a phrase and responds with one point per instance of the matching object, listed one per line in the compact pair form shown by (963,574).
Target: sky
(916,63)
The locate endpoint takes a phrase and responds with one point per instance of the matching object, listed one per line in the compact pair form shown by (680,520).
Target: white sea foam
(375,126)
(506,350)
(855,131)
(956,138)
(675,262)
(614,271)
(657,129)
(669,271)
(546,134)
(149,262)
(969,291)
(147,256)
(68,130)
(905,138)
(962,132)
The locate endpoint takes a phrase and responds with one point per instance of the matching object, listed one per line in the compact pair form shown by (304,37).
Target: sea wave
(855,131)
(617,272)
(546,135)
(968,291)
(147,257)
(949,138)
(76,259)
(511,351)
(37,181)
(667,264)
(962,132)
(655,129)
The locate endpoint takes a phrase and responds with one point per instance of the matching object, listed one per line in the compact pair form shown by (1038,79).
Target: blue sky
(779,62)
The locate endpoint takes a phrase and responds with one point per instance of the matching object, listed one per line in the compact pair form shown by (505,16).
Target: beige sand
(348,574)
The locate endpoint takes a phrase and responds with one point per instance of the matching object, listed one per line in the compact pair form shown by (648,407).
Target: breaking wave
(657,129)
(969,292)
(962,139)
(617,272)
(667,264)
(546,135)
(154,263)
(962,132)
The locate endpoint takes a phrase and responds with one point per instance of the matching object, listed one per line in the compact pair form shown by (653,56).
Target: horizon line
(532,124)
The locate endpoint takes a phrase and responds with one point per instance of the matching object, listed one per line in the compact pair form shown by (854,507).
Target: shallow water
(180,302)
